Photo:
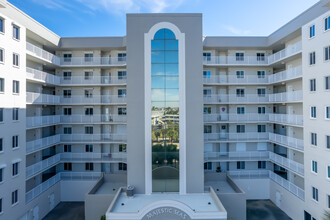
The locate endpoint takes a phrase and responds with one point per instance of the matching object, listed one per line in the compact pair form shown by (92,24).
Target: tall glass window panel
(165,112)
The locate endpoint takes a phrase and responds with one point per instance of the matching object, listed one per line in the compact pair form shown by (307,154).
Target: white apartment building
(232,119)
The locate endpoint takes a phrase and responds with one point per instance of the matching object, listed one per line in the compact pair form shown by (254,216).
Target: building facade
(179,116)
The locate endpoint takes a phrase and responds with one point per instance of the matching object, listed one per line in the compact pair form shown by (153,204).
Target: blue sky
(71,18)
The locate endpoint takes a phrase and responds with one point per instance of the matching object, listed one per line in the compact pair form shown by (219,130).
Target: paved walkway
(264,210)
(67,211)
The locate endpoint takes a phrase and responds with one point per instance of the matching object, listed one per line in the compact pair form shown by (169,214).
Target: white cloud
(236,31)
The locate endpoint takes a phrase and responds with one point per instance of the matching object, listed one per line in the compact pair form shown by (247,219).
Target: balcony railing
(80,175)
(287,141)
(93,137)
(94,157)
(43,54)
(286,119)
(247,117)
(93,99)
(42,165)
(39,121)
(41,76)
(289,51)
(232,79)
(93,80)
(42,143)
(42,99)
(287,163)
(233,60)
(236,155)
(93,61)
(294,96)
(93,118)
(285,75)
(235,136)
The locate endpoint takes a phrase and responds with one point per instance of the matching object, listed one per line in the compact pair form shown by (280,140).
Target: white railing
(93,118)
(287,163)
(233,60)
(97,157)
(286,119)
(233,98)
(93,61)
(236,155)
(247,117)
(42,143)
(235,136)
(42,165)
(41,53)
(41,76)
(289,51)
(94,99)
(249,174)
(93,137)
(42,99)
(80,175)
(285,75)
(39,121)
(294,96)
(232,79)
(93,80)
(287,141)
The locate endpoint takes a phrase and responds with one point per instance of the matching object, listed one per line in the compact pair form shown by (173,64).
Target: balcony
(92,61)
(235,118)
(233,80)
(93,80)
(81,119)
(93,99)
(41,121)
(287,163)
(39,144)
(285,75)
(294,96)
(94,157)
(236,156)
(290,142)
(233,60)
(286,119)
(249,136)
(83,138)
(42,54)
(42,165)
(41,99)
(285,53)
(42,77)
(233,98)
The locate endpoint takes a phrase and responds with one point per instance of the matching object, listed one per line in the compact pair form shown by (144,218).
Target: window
(15,59)
(328,172)
(16,32)
(240,92)
(2,25)
(327,53)
(312,87)
(315,192)
(239,56)
(327,23)
(328,198)
(240,165)
(2,85)
(312,31)
(67,166)
(14,197)
(327,82)
(89,166)
(89,130)
(15,114)
(67,93)
(2,54)
(121,93)
(15,87)
(207,129)
(67,75)
(1,175)
(122,166)
(121,111)
(1,114)
(261,164)
(121,57)
(314,166)
(122,147)
(208,166)
(261,92)
(88,57)
(261,74)
(207,56)
(67,57)
(67,148)
(15,141)
(327,137)
(121,74)
(261,56)
(207,74)
(261,128)
(88,75)
(240,74)
(1,205)
(88,93)
(89,148)
(1,145)
(207,92)
(67,130)
(207,110)
(240,110)
(89,111)
(261,110)
(15,169)
(314,139)
(313,111)
(312,58)
(327,112)
(67,110)
(240,128)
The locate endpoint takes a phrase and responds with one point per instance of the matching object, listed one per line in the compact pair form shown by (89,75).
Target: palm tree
(326,215)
